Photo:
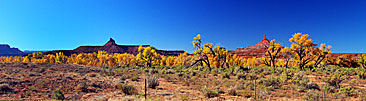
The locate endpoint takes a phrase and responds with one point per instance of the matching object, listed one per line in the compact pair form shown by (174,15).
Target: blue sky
(172,24)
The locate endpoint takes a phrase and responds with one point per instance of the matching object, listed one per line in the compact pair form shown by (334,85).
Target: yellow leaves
(291,40)
(60,58)
(198,37)
(197,42)
(272,42)
(149,55)
(285,50)
(206,50)
(140,48)
(207,45)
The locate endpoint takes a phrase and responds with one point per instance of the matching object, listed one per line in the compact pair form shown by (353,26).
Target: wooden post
(145,89)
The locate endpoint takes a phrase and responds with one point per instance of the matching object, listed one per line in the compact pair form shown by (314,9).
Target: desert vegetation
(305,70)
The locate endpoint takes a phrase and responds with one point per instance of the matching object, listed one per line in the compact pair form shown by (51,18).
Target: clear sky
(172,24)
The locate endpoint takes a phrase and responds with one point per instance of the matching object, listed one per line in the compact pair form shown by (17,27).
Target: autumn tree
(362,60)
(320,54)
(147,54)
(60,58)
(273,52)
(286,55)
(302,47)
(183,59)
(222,55)
(102,58)
(201,52)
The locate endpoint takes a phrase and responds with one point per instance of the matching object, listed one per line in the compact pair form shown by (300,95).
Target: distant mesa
(111,47)
(258,50)
(5,50)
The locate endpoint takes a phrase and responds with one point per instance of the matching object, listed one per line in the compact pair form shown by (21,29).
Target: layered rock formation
(258,50)
(111,47)
(5,50)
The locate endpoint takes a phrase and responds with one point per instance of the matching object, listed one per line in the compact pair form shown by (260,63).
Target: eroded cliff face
(111,47)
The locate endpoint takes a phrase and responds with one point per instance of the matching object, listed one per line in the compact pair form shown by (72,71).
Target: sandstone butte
(259,49)
(111,47)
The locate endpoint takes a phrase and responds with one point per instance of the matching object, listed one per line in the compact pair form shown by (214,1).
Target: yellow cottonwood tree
(286,56)
(201,52)
(147,54)
(222,55)
(320,54)
(273,52)
(302,47)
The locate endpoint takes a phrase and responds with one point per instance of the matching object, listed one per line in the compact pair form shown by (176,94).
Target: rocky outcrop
(5,50)
(352,55)
(111,47)
(258,50)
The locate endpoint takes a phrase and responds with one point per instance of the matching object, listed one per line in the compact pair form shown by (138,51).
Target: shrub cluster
(153,82)
(127,89)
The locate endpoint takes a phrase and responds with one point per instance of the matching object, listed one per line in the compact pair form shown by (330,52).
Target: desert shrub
(168,78)
(169,71)
(232,91)
(311,85)
(267,70)
(288,73)
(297,77)
(361,75)
(4,88)
(305,83)
(184,98)
(57,94)
(135,78)
(279,70)
(193,73)
(214,73)
(348,91)
(312,96)
(185,83)
(127,89)
(209,93)
(334,80)
(262,94)
(249,85)
(328,88)
(81,88)
(180,75)
(153,71)
(153,82)
(123,77)
(226,75)
(245,93)
(146,70)
(241,76)
(348,71)
(252,76)
(271,82)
